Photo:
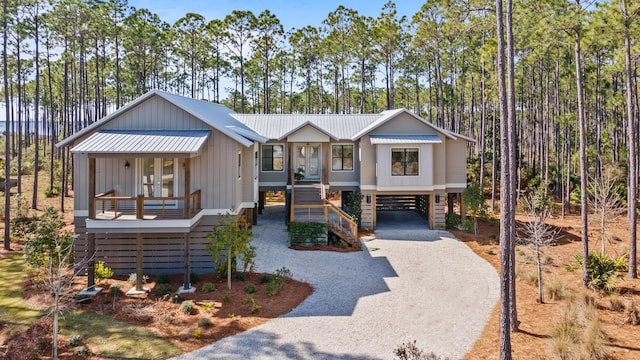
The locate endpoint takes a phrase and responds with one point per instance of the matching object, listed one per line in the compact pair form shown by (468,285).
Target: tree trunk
(7,147)
(632,197)
(583,158)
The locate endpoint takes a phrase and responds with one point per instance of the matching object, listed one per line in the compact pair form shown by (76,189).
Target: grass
(111,338)
(14,310)
(115,339)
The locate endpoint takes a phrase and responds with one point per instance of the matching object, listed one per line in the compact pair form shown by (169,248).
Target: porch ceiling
(140,142)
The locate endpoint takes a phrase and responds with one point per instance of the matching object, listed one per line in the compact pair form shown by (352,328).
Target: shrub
(526,275)
(75,340)
(451,220)
(133,278)
(176,298)
(115,289)
(81,351)
(205,322)
(250,289)
(163,289)
(102,272)
(615,304)
(226,298)
(265,279)
(410,351)
(631,314)
(187,307)
(240,276)
(601,270)
(301,233)
(556,289)
(255,308)
(162,279)
(284,273)
(208,287)
(248,300)
(194,278)
(196,334)
(274,286)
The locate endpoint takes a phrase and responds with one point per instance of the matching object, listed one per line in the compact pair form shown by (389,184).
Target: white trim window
(342,157)
(405,162)
(273,157)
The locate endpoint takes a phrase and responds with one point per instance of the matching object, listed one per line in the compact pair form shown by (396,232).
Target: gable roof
(215,115)
(279,126)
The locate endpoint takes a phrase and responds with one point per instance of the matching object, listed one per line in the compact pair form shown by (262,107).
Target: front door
(309,160)
(158,180)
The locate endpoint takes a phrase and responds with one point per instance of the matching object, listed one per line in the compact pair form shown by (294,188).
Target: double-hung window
(342,157)
(272,157)
(404,162)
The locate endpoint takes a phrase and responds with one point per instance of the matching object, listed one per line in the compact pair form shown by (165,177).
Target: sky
(292,13)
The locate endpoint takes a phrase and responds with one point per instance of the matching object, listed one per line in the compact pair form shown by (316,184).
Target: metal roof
(215,115)
(278,126)
(405,139)
(143,142)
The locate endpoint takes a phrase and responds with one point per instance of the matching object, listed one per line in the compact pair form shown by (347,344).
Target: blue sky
(292,13)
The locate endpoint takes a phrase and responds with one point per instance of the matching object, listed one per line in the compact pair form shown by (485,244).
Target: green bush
(208,287)
(102,272)
(194,278)
(451,220)
(226,298)
(75,340)
(265,279)
(240,276)
(250,289)
(601,270)
(163,289)
(176,298)
(306,232)
(204,322)
(187,307)
(162,279)
(115,289)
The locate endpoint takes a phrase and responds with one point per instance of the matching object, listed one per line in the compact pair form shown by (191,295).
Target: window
(341,157)
(404,162)
(272,157)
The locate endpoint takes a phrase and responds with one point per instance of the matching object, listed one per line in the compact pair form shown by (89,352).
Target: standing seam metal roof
(143,142)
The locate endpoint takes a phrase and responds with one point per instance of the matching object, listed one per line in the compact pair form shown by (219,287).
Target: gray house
(151,178)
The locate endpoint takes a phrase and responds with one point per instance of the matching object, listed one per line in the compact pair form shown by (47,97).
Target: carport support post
(187,263)
(139,250)
(463,214)
(450,203)
(91,238)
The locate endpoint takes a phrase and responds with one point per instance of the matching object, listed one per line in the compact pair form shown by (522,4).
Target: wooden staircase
(309,205)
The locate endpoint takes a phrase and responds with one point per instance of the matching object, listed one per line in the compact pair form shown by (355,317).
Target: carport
(407,209)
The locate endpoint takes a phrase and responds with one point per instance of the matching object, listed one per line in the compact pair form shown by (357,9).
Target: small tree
(605,201)
(50,249)
(535,233)
(474,202)
(229,239)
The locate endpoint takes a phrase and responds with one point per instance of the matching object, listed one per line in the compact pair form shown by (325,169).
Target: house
(151,178)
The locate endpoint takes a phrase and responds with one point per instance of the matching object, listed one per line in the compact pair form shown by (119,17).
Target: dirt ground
(536,320)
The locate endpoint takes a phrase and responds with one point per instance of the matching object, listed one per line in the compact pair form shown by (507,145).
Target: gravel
(405,285)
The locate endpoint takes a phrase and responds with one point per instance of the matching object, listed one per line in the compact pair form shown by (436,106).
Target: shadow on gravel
(265,345)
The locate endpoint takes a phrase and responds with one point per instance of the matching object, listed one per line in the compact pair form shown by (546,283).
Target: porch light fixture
(437,199)
(127,165)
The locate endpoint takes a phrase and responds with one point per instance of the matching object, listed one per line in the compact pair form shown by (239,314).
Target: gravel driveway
(406,285)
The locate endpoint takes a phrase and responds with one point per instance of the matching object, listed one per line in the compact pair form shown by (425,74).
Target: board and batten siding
(274,178)
(367,162)
(338,178)
(456,162)
(440,163)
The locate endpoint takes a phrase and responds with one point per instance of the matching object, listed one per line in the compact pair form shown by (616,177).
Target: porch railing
(338,221)
(107,203)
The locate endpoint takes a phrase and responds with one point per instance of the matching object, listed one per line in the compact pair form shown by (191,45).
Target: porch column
(91,238)
(255,214)
(450,203)
(187,189)
(326,161)
(262,197)
(187,264)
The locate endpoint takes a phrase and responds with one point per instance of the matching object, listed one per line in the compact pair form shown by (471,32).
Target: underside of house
(152,179)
